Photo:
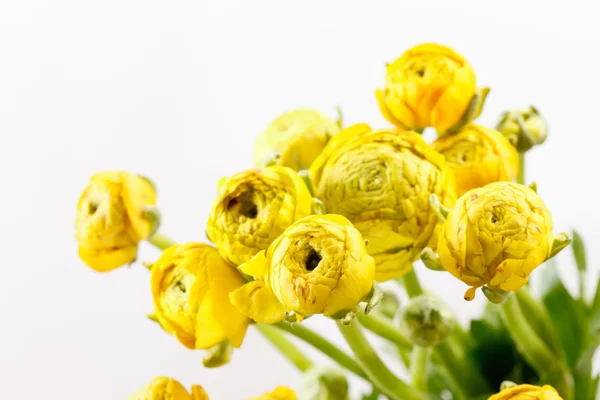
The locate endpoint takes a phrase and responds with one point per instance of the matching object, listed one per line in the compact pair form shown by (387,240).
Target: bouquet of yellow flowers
(328,213)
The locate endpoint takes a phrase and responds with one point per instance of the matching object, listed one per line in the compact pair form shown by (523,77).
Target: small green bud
(218,355)
(524,128)
(427,321)
(390,304)
(324,383)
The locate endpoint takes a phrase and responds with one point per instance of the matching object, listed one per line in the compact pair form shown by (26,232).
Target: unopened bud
(324,383)
(427,321)
(390,304)
(524,128)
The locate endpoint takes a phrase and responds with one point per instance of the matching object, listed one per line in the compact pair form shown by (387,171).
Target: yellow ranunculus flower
(496,235)
(162,388)
(429,85)
(319,265)
(280,393)
(110,219)
(527,392)
(253,208)
(381,181)
(478,156)
(190,286)
(298,136)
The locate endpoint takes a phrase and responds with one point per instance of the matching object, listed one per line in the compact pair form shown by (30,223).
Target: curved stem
(528,342)
(383,327)
(323,345)
(521,173)
(418,368)
(411,283)
(381,377)
(161,241)
(286,347)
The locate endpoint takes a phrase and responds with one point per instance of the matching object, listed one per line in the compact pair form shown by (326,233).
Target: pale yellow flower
(162,388)
(280,393)
(478,156)
(191,285)
(297,136)
(381,181)
(110,219)
(319,265)
(527,392)
(253,208)
(429,85)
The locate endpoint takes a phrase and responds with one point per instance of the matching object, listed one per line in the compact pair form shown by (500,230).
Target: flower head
(190,286)
(162,388)
(478,156)
(110,219)
(280,393)
(381,181)
(297,136)
(253,208)
(527,392)
(496,235)
(319,265)
(429,85)
(524,128)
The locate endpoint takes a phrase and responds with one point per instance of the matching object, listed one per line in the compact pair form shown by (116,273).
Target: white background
(178,90)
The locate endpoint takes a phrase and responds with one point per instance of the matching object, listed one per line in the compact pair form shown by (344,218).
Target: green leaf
(595,309)
(593,388)
(585,386)
(567,315)
(578,248)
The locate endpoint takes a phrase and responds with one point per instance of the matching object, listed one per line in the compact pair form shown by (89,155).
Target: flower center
(313,260)
(244,205)
(92,208)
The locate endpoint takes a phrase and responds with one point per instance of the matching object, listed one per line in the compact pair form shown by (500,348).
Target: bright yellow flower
(110,219)
(190,286)
(527,392)
(319,265)
(496,236)
(381,181)
(429,85)
(280,393)
(478,156)
(253,208)
(298,136)
(162,388)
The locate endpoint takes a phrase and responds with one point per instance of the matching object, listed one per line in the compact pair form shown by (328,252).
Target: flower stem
(161,241)
(535,351)
(323,345)
(383,327)
(418,368)
(286,347)
(411,283)
(521,173)
(381,377)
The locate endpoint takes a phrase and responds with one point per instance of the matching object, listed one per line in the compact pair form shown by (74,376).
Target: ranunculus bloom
(527,392)
(110,219)
(162,388)
(319,265)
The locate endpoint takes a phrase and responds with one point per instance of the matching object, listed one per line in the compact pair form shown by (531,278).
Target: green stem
(161,241)
(463,372)
(382,326)
(418,368)
(381,377)
(286,347)
(411,284)
(535,351)
(325,346)
(521,173)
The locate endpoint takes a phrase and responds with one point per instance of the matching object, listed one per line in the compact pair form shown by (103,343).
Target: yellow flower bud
(162,388)
(111,219)
(298,136)
(280,393)
(190,286)
(381,181)
(527,392)
(496,236)
(429,85)
(478,156)
(524,128)
(319,265)
(253,208)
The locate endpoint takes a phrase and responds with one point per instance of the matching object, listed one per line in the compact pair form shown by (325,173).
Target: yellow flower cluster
(527,392)
(162,388)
